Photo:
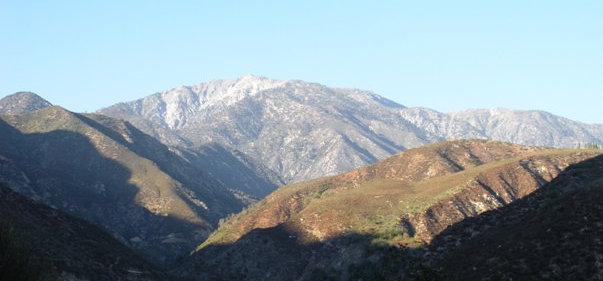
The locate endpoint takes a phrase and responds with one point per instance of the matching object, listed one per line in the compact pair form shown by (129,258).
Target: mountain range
(167,173)
(304,130)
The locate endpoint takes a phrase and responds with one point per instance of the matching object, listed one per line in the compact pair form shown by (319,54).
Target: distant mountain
(304,130)
(299,130)
(440,125)
(372,223)
(530,127)
(22,103)
(111,174)
(41,243)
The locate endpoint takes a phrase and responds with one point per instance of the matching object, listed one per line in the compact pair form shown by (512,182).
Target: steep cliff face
(340,227)
(109,173)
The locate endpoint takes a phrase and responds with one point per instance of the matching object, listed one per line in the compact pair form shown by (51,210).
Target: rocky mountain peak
(231,91)
(22,103)
(173,109)
(311,126)
(254,79)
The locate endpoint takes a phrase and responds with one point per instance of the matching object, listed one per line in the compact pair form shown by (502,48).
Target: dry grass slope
(402,202)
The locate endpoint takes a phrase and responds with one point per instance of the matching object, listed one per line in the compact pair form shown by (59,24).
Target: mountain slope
(238,172)
(109,173)
(347,226)
(61,247)
(299,130)
(22,103)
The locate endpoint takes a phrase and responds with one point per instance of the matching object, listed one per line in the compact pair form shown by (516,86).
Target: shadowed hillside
(41,243)
(237,171)
(109,173)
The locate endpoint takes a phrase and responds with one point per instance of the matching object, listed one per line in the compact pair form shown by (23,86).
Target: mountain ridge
(257,119)
(320,131)
(528,127)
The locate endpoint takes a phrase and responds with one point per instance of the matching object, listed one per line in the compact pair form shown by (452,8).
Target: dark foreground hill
(41,243)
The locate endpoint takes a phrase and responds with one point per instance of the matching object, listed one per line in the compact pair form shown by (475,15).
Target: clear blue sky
(445,55)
